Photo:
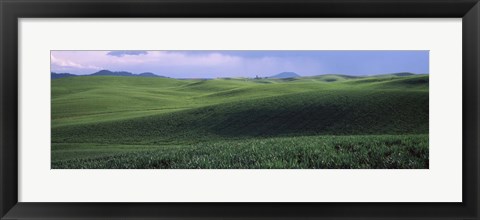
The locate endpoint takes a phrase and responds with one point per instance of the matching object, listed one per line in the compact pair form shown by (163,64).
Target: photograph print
(240,109)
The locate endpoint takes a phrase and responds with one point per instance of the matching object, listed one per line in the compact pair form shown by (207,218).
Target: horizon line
(222,77)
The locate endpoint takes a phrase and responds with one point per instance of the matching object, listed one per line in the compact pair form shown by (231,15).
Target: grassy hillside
(117,122)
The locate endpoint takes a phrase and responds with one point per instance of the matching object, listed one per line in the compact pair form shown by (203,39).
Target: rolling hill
(93,115)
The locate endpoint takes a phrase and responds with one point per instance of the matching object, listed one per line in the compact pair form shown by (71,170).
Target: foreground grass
(307,152)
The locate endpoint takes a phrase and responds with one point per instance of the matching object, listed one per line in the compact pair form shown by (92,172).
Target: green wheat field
(320,122)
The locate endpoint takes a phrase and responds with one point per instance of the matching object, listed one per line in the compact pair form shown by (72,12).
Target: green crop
(323,122)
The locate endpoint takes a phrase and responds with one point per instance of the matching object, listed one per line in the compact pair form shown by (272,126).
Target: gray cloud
(121,53)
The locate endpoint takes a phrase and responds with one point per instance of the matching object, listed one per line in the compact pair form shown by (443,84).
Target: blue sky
(212,64)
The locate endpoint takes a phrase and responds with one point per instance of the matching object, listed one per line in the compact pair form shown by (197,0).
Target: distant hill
(396,74)
(110,73)
(284,75)
(60,75)
(106,73)
(148,74)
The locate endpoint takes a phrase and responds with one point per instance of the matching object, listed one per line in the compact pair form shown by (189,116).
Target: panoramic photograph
(239,109)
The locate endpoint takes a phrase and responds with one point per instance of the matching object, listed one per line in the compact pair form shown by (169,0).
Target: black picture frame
(12,10)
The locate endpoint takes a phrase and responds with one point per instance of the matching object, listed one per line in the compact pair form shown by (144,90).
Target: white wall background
(440,183)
